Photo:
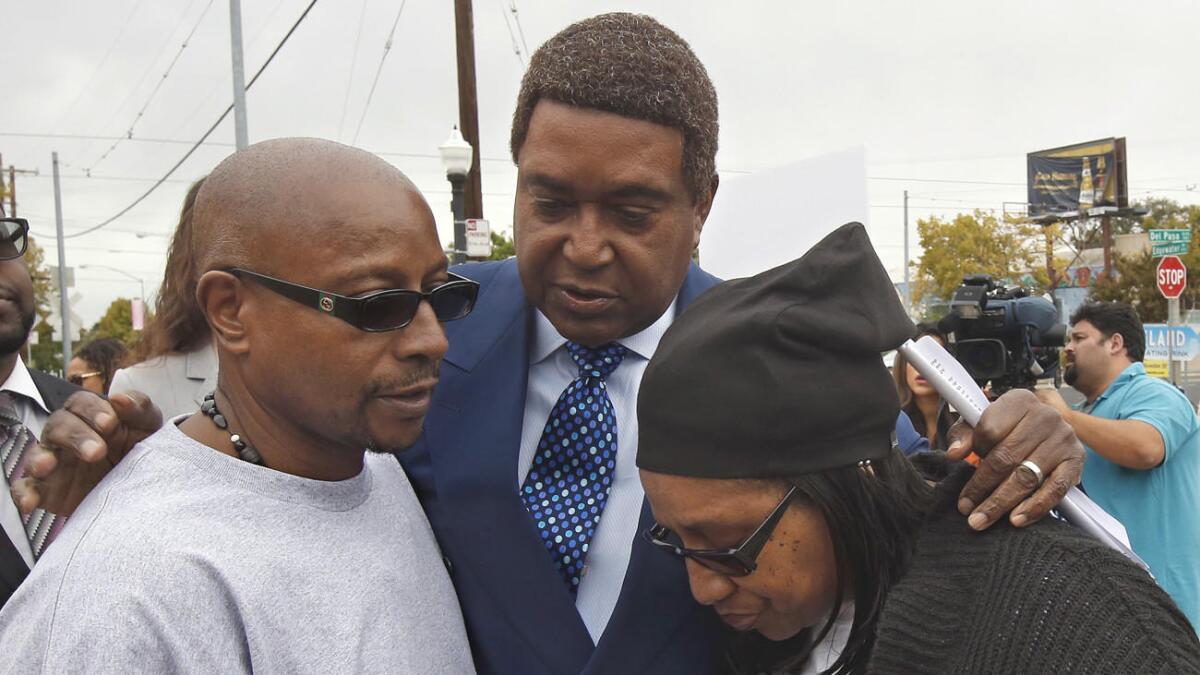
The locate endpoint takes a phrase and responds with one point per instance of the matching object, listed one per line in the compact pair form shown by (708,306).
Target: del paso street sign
(1171,277)
(1170,236)
(1184,340)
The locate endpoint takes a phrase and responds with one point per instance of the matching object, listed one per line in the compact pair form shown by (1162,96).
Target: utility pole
(239,76)
(64,303)
(11,189)
(1106,231)
(468,104)
(907,289)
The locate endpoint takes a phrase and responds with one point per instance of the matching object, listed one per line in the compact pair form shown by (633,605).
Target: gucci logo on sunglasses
(731,562)
(379,311)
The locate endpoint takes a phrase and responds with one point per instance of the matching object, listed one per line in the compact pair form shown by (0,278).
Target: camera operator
(1143,444)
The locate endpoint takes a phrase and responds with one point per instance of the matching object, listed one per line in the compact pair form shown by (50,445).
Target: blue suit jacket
(520,618)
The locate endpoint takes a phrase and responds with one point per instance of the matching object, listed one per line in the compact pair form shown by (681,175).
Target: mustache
(423,370)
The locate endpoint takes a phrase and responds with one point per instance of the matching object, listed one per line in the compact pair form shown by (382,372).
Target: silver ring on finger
(1035,470)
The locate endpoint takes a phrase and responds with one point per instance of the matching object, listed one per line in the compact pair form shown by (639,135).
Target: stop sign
(1171,276)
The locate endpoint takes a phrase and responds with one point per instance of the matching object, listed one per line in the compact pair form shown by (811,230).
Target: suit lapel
(201,364)
(490,536)
(53,390)
(12,568)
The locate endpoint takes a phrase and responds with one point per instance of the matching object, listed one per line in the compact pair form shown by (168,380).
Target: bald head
(260,202)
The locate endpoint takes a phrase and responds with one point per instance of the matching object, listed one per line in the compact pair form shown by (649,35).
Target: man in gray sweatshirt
(258,534)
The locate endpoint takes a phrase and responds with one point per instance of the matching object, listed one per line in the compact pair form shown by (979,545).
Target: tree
(43,284)
(978,243)
(47,353)
(1134,281)
(117,322)
(503,247)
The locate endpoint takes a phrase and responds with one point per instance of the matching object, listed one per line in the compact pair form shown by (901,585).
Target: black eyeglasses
(732,562)
(381,310)
(14,238)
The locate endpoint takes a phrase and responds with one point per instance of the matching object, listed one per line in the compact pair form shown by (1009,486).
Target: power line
(208,133)
(512,36)
(212,92)
(517,20)
(362,15)
(945,180)
(149,66)
(157,87)
(95,137)
(101,64)
(387,47)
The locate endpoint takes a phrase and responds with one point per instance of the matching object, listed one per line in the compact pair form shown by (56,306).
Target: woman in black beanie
(767,455)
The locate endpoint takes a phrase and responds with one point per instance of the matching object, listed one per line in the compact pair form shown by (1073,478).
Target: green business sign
(1158,250)
(1170,236)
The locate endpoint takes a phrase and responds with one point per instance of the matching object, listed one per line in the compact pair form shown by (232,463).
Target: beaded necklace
(244,450)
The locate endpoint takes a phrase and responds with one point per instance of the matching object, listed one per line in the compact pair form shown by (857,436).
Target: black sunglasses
(732,562)
(14,238)
(381,310)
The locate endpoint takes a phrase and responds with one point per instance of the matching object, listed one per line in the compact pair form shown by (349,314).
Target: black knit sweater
(1043,599)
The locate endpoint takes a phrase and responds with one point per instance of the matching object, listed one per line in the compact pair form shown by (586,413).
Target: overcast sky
(935,91)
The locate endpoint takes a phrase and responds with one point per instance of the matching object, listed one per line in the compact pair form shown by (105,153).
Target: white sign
(479,238)
(1184,341)
(771,217)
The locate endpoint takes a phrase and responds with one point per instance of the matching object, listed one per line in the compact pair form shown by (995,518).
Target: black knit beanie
(778,374)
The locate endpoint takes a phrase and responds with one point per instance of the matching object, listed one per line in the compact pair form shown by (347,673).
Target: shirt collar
(1131,371)
(21,382)
(644,343)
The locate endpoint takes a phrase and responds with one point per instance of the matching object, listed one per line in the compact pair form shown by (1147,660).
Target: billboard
(1077,177)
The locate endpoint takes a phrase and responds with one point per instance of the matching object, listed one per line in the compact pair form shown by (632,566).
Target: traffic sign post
(1171,277)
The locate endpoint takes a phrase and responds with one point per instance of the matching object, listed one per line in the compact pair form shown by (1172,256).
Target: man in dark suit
(27,397)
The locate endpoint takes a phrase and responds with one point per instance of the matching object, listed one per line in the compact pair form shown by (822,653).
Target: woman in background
(930,415)
(176,365)
(95,364)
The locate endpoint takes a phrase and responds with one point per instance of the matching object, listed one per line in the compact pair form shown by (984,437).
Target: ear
(703,208)
(222,296)
(1118,344)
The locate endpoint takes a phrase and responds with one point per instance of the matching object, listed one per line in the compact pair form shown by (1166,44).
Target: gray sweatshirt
(187,560)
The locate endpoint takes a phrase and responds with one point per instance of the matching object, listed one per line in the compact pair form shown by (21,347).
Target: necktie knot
(596,362)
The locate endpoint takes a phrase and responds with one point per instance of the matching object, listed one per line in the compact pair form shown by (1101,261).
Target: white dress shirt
(33,412)
(551,369)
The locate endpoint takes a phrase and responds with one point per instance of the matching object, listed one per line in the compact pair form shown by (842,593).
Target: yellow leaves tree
(978,243)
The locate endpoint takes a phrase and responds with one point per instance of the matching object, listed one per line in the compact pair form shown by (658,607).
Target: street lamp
(141,283)
(456,158)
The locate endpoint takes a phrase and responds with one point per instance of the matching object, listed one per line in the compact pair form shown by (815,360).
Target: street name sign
(1170,236)
(1170,242)
(1169,248)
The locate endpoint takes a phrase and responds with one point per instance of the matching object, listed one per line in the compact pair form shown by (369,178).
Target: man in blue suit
(614,137)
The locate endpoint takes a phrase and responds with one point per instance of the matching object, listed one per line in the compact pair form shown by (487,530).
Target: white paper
(767,218)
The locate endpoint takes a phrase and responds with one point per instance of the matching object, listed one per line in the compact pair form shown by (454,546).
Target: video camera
(1003,335)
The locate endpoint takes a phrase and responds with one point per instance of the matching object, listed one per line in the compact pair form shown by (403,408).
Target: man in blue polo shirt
(1143,444)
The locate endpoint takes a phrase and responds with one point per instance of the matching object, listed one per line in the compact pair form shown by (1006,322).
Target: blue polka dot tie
(572,473)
